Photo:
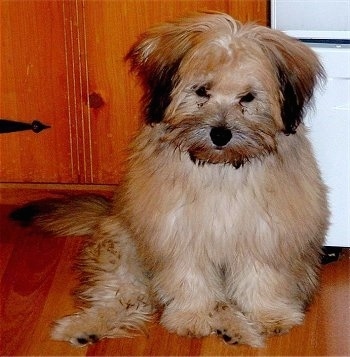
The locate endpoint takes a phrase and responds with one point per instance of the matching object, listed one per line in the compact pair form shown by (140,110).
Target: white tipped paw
(234,337)
(73,329)
(234,328)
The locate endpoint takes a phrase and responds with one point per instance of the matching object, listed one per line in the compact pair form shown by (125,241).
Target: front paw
(230,338)
(234,328)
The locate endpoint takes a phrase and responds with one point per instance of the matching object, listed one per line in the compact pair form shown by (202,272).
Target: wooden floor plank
(25,285)
(59,302)
(38,278)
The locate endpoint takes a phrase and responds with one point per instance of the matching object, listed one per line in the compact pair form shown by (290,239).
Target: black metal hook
(10,126)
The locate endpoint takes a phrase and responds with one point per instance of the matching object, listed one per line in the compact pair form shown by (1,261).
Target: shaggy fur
(221,217)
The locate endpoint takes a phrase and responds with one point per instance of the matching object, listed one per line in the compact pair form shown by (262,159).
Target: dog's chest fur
(176,206)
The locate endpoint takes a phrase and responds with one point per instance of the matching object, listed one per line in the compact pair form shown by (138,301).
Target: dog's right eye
(202,91)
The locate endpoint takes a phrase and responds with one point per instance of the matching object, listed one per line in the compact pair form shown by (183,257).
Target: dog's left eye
(247,98)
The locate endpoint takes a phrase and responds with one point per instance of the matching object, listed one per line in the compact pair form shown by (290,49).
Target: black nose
(220,135)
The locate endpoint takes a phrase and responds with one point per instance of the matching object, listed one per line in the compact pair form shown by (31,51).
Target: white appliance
(325,26)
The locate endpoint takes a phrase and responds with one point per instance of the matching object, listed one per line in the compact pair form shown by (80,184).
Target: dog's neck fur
(149,166)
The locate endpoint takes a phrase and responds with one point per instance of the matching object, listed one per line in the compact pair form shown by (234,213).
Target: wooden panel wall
(108,42)
(62,62)
(34,86)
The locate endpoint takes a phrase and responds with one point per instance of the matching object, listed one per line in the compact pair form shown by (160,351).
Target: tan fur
(222,239)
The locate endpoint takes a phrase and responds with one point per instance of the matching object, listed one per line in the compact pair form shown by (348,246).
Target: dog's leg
(269,298)
(188,299)
(191,296)
(115,290)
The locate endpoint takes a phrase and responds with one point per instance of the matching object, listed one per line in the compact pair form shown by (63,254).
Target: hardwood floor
(36,280)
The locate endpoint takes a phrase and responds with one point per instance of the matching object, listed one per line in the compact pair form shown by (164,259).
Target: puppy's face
(225,105)
(223,91)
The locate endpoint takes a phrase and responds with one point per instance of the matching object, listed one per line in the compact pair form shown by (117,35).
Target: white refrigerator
(325,26)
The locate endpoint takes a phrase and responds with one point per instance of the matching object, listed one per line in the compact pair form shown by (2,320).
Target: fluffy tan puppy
(221,217)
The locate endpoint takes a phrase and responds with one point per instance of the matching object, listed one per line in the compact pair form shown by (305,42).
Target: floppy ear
(154,60)
(298,70)
(157,55)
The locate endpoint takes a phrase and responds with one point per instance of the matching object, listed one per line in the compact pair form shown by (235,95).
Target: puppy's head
(223,90)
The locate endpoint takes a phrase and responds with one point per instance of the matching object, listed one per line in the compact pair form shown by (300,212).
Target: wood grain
(111,29)
(55,57)
(37,279)
(34,86)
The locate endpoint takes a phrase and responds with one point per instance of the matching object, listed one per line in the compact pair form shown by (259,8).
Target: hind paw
(84,339)
(75,330)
